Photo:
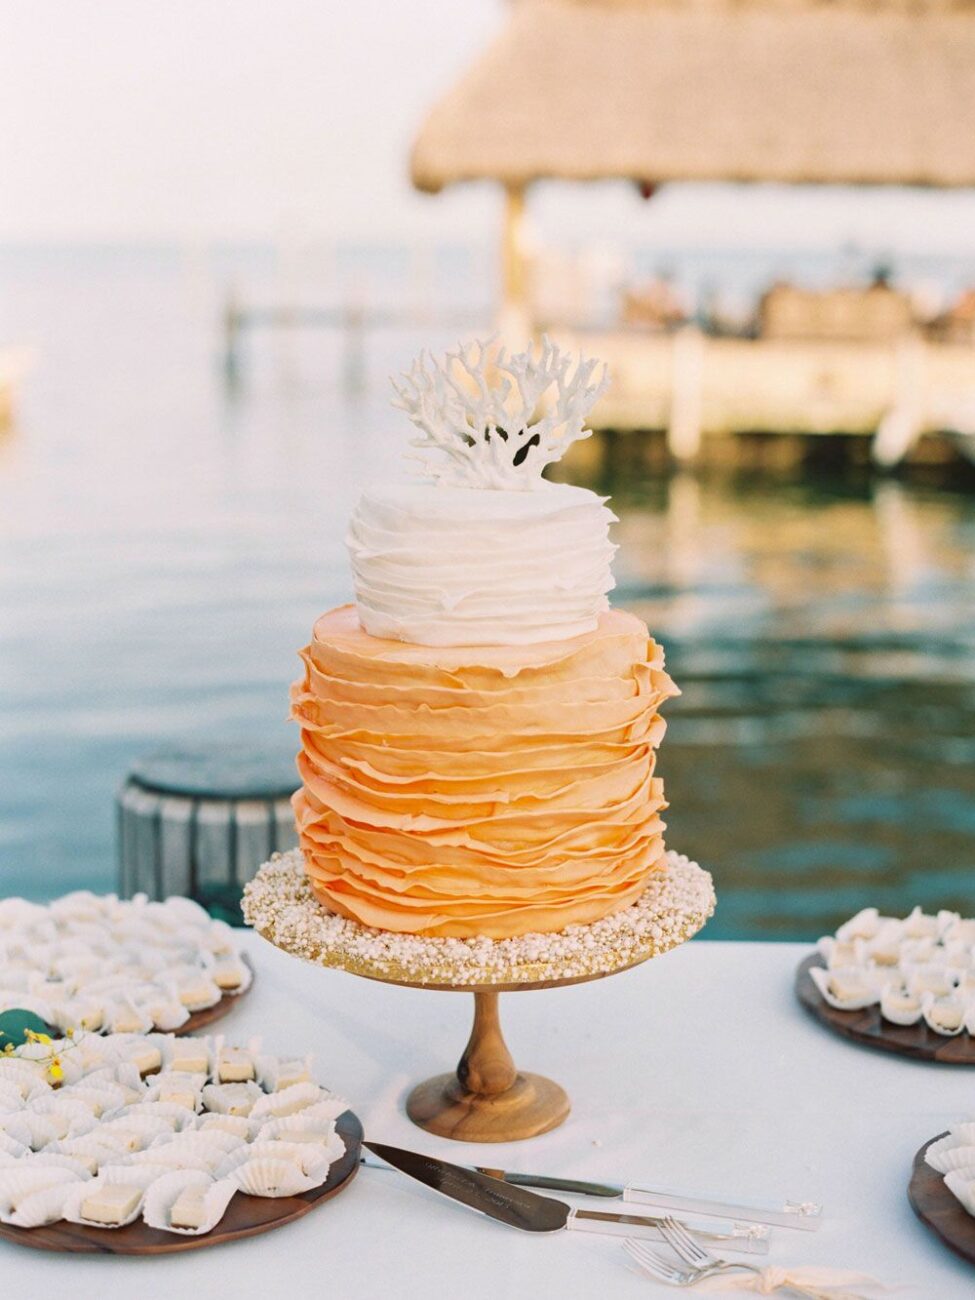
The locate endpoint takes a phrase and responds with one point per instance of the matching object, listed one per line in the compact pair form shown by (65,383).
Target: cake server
(519,1208)
(793,1214)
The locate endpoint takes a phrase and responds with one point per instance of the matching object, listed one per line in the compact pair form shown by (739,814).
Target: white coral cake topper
(484,418)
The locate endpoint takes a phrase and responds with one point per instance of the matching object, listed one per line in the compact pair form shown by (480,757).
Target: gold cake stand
(487,1099)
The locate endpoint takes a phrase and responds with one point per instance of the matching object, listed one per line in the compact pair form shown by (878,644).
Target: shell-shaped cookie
(19,914)
(72,1117)
(838,954)
(74,1202)
(102,1098)
(178,1117)
(40,1207)
(166,1191)
(217,1138)
(930,978)
(918,952)
(309,1157)
(195,1048)
(864,925)
(33,1130)
(958,957)
(961,1184)
(960,930)
(306,1127)
(921,925)
(940,1157)
(900,1007)
(184,911)
(265,1177)
(100,1070)
(945,1016)
(58,1160)
(135,1132)
(78,905)
(11,1097)
(964,1132)
(166,1011)
(15,1184)
(288,1101)
(231,1098)
(847,988)
(329,1107)
(128,1076)
(220,939)
(141,1053)
(29,1076)
(84,1014)
(92,1055)
(173,1155)
(275,1073)
(231,975)
(238,1126)
(198,992)
(945,921)
(124,1015)
(142,1173)
(885,948)
(953,1158)
(167,1077)
(201,1148)
(11,1147)
(87,1150)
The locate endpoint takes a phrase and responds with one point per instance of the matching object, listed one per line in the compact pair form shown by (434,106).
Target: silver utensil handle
(805,1215)
(743,1241)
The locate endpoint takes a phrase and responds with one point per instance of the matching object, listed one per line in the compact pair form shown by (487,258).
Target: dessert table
(698,1071)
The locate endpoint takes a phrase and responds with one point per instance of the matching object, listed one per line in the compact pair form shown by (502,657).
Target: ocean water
(166,542)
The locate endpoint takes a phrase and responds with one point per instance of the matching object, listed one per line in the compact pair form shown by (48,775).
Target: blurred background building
(222,227)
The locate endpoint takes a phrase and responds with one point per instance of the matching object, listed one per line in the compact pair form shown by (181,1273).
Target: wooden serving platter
(209,1015)
(246,1216)
(938,1210)
(868,1027)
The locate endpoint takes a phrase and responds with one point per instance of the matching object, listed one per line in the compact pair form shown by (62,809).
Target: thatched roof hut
(835,91)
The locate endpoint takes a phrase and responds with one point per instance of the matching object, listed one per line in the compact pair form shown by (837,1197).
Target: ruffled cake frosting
(491,790)
(447,566)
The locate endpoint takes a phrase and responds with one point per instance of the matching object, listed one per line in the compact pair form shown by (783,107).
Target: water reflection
(821,754)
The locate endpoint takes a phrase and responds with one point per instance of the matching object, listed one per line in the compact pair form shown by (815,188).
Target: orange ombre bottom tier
(486,790)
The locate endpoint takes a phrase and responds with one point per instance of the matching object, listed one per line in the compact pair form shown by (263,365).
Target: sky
(209,120)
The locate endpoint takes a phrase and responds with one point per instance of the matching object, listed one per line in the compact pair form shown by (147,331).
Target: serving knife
(793,1214)
(519,1208)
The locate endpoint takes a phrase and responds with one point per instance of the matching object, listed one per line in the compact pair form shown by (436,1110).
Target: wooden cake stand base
(488,1099)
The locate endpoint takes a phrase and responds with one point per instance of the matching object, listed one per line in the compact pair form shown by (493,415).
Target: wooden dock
(353,320)
(694,386)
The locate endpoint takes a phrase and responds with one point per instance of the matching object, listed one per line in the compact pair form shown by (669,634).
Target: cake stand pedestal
(488,1099)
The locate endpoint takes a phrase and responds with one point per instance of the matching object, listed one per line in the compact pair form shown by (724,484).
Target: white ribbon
(828,1283)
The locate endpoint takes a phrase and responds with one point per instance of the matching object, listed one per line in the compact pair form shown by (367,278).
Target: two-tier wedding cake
(479,730)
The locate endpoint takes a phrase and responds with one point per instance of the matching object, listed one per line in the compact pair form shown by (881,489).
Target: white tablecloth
(697,1070)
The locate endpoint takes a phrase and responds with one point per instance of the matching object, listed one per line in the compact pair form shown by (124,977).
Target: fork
(690,1249)
(657,1266)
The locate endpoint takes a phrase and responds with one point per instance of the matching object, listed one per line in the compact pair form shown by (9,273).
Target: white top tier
(444,566)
